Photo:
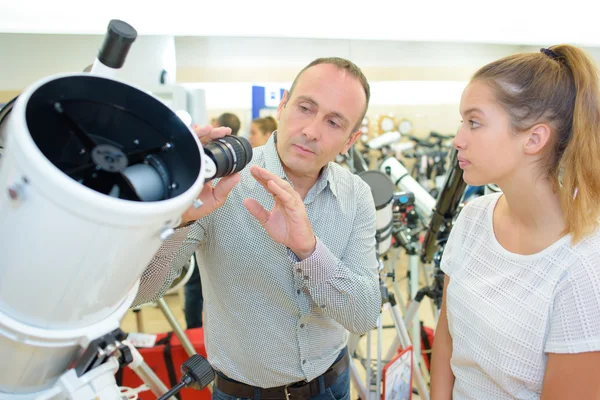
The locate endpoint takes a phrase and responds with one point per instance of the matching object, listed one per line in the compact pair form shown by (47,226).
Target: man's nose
(311,129)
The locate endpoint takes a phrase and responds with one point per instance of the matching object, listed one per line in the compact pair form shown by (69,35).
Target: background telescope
(424,202)
(94,176)
(445,210)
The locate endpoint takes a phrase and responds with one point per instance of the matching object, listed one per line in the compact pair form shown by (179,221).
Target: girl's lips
(463,162)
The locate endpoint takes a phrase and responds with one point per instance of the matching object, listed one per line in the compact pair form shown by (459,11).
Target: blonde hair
(559,87)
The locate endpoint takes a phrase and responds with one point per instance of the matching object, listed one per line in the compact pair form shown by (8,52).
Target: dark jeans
(340,390)
(193,300)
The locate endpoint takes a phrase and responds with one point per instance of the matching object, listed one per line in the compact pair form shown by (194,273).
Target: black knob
(126,357)
(199,370)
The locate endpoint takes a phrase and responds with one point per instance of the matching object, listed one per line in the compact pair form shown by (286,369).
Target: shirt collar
(273,165)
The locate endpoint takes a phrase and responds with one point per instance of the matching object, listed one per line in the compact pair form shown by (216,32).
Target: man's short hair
(231,121)
(345,65)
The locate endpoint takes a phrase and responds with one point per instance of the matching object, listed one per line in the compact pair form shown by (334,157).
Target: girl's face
(257,137)
(488,149)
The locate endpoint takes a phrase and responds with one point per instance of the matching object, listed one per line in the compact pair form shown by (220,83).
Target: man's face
(317,121)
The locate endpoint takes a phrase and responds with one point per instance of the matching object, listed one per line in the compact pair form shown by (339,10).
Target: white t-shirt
(507,311)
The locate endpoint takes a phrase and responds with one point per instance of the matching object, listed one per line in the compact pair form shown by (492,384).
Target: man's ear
(351,140)
(282,103)
(538,137)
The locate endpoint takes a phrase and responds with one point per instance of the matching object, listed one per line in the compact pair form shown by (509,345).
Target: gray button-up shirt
(271,320)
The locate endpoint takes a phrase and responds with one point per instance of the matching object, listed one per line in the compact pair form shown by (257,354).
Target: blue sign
(265,98)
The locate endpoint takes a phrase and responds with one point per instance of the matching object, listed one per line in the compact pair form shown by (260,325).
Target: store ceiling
(522,22)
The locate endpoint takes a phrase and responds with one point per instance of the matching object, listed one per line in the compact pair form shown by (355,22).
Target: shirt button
(299,270)
(303,361)
(298,291)
(322,305)
(301,325)
(306,277)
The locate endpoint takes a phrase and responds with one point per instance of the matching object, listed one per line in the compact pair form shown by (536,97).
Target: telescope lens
(229,153)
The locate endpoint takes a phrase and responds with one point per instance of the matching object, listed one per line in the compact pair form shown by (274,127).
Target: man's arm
(166,264)
(347,289)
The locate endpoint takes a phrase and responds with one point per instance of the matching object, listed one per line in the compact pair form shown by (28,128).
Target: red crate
(155,358)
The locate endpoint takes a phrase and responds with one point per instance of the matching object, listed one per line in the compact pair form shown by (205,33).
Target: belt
(295,391)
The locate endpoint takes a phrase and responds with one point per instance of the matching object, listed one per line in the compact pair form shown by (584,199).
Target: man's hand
(211,197)
(287,223)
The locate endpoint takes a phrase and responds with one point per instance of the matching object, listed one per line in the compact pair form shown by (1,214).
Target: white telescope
(424,202)
(383,140)
(94,176)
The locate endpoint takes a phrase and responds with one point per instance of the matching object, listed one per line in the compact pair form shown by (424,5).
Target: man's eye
(333,124)
(474,124)
(303,109)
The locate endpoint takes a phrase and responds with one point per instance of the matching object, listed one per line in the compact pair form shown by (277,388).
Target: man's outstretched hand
(287,223)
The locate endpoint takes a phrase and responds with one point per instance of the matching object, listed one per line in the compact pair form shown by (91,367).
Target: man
(283,287)
(229,120)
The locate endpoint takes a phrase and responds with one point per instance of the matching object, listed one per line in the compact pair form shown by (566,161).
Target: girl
(260,130)
(520,316)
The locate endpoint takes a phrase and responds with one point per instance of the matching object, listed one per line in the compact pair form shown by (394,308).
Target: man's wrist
(303,254)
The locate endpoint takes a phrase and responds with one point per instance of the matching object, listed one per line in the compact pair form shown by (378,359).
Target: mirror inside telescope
(113,138)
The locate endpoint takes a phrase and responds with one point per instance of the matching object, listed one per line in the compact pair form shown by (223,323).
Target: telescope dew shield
(382,189)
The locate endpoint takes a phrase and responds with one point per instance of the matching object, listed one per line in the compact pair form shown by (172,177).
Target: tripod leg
(185,342)
(405,342)
(146,374)
(354,375)
(425,272)
(138,319)
(409,318)
(368,362)
(395,287)
(425,275)
(378,378)
(413,264)
(393,350)
(353,340)
(398,294)
(411,314)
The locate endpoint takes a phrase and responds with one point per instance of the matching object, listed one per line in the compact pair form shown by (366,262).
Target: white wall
(26,58)
(267,52)
(422,81)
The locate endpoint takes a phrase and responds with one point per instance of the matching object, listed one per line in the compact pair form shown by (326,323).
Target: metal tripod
(140,367)
(371,390)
